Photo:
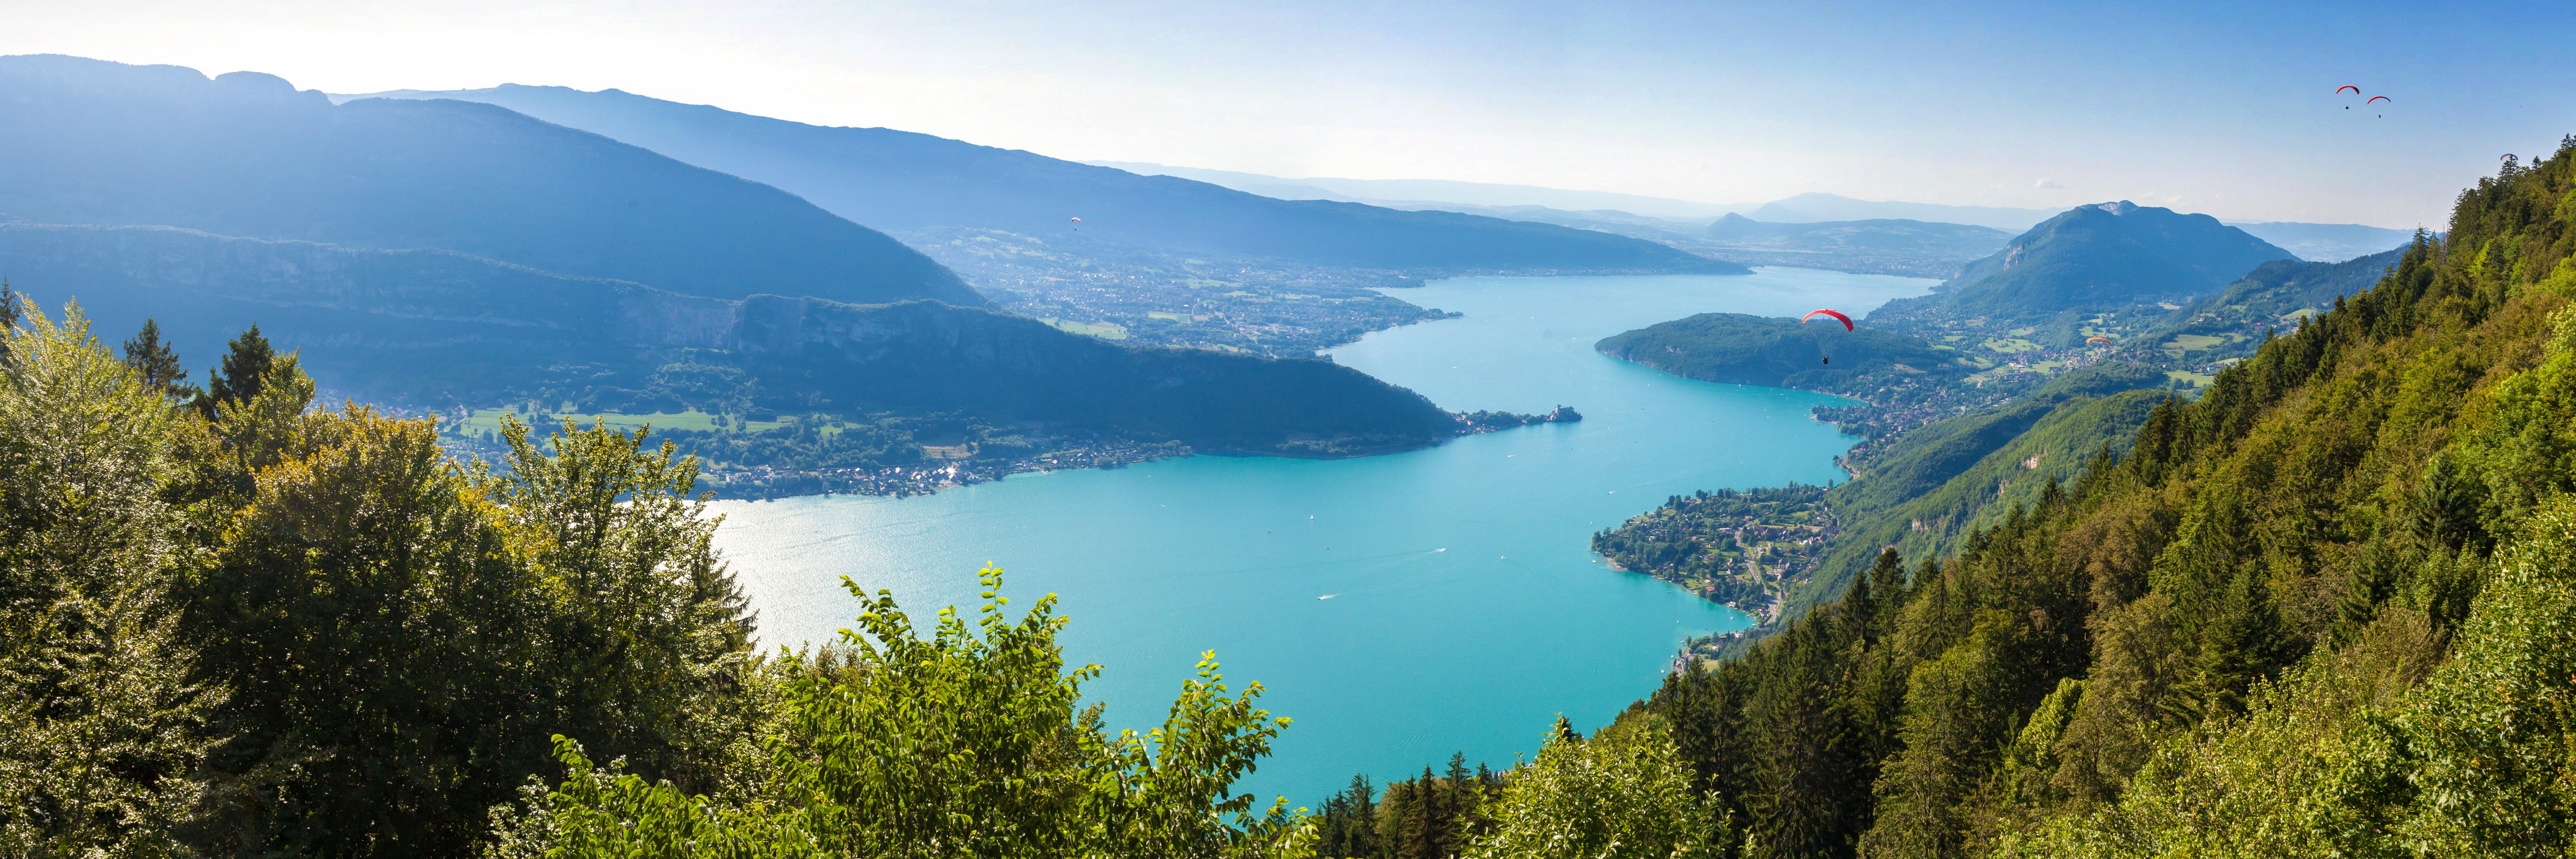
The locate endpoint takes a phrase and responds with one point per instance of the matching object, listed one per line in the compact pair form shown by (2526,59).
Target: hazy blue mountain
(1813,207)
(1740,349)
(438,328)
(1428,191)
(2325,242)
(245,154)
(2107,255)
(901,181)
(1964,241)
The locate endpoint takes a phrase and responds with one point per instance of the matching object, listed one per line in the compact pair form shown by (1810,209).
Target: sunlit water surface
(1397,607)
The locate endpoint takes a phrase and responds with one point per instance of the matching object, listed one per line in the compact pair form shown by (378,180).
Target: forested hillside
(2274,295)
(246,154)
(1736,348)
(2105,256)
(441,330)
(2321,610)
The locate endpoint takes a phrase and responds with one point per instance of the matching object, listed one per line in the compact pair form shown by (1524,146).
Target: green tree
(157,363)
(404,635)
(9,316)
(237,380)
(104,728)
(966,742)
(1624,792)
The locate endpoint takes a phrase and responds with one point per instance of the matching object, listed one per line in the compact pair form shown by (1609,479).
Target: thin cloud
(2045,182)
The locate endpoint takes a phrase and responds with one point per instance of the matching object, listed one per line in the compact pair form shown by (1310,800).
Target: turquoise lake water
(1465,609)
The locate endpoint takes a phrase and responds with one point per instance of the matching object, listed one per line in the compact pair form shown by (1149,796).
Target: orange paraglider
(2097,339)
(1838,317)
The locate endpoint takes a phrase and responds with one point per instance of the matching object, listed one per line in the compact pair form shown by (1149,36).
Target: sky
(2228,109)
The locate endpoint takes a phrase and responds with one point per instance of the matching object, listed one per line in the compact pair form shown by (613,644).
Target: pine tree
(157,362)
(237,380)
(8,318)
(1425,838)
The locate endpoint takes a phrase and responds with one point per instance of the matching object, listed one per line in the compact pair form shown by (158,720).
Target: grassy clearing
(2010,345)
(1103,330)
(2193,342)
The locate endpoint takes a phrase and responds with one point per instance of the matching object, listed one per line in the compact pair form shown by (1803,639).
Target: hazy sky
(2226,109)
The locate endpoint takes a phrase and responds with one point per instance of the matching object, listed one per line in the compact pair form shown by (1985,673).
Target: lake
(1398,607)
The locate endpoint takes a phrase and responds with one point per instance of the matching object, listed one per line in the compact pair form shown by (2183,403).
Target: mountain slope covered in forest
(246,154)
(2275,295)
(2105,256)
(2320,610)
(903,181)
(1739,349)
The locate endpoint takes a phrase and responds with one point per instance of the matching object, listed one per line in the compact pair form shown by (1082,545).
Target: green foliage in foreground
(963,743)
(1624,792)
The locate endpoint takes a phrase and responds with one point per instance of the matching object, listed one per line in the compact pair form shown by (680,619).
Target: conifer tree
(237,381)
(156,362)
(8,319)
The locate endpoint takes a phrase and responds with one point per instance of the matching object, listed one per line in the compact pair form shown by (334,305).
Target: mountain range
(1609,211)
(2325,242)
(246,154)
(902,181)
(450,253)
(1408,193)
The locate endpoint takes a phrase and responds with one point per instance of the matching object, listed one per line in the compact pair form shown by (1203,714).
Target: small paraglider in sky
(2377,99)
(1077,225)
(2102,340)
(1838,317)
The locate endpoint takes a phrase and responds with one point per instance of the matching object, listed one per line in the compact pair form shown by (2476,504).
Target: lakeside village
(1741,549)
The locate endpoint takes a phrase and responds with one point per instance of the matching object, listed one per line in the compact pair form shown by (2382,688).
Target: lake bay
(1397,607)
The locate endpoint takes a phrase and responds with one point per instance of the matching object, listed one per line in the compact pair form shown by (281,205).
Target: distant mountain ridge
(246,154)
(902,181)
(1381,191)
(1813,207)
(438,328)
(2325,242)
(2106,255)
(1964,241)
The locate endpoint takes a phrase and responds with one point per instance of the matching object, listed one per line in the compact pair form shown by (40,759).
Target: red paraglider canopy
(2376,98)
(1837,314)
(2355,90)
